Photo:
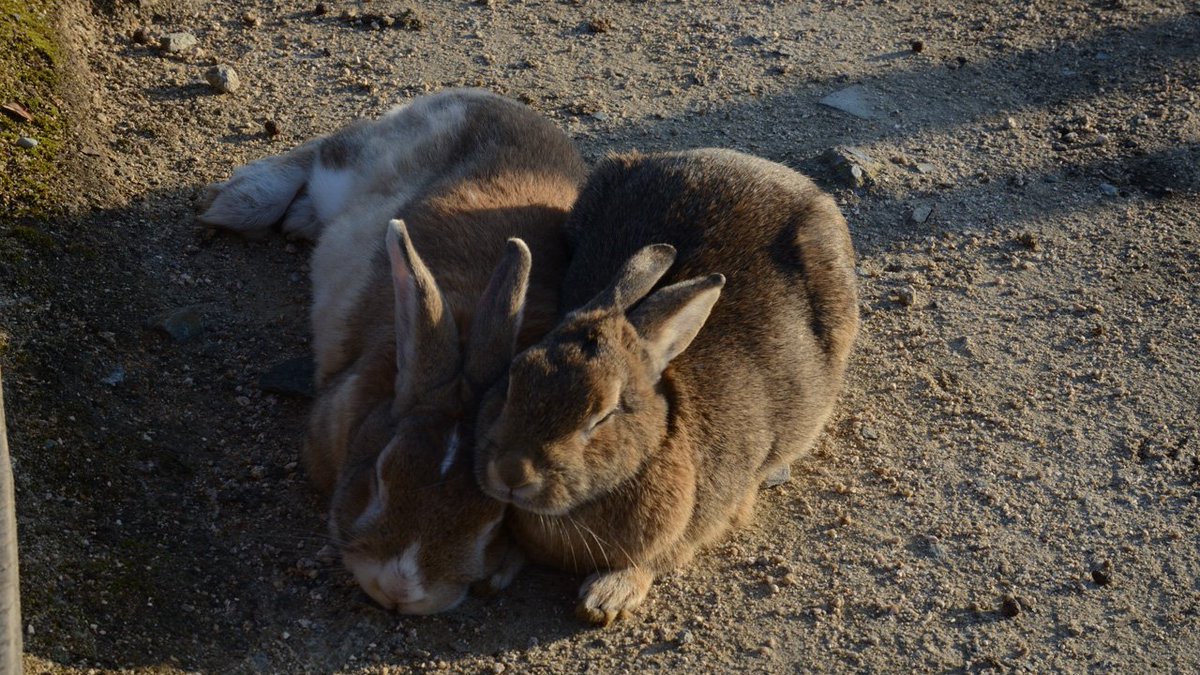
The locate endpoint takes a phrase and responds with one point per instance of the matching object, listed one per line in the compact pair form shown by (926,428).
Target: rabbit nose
(516,472)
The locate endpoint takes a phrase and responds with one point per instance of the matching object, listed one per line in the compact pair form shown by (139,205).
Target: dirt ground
(1011,481)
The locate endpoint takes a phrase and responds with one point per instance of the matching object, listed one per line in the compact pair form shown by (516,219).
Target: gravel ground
(1011,480)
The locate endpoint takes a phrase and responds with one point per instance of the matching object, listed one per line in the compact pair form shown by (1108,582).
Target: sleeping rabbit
(713,307)
(428,224)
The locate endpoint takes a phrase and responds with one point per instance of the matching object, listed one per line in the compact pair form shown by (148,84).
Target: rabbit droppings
(405,343)
(641,427)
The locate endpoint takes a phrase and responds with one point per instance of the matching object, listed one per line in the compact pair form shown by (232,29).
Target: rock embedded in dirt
(117,376)
(173,43)
(907,296)
(140,36)
(853,100)
(778,477)
(27,142)
(850,166)
(223,78)
(251,19)
(181,324)
(272,128)
(920,213)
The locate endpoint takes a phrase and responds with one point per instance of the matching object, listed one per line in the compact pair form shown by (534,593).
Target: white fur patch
(406,152)
(398,580)
(329,189)
(451,451)
(406,565)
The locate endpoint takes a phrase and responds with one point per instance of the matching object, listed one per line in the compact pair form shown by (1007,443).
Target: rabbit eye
(602,420)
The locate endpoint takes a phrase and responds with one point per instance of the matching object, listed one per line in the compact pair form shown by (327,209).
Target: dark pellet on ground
(1101,577)
(1009,607)
(917,46)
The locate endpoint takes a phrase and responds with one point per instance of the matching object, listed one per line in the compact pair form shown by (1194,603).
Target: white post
(10,586)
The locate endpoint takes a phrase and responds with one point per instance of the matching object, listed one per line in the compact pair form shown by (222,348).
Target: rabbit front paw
(611,595)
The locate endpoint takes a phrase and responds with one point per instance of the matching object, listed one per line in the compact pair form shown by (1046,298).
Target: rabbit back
(763,374)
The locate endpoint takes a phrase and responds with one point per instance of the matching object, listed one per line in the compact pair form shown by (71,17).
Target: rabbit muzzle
(514,480)
(399,584)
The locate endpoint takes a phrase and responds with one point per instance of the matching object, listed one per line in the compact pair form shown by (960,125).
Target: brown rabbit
(623,448)
(407,343)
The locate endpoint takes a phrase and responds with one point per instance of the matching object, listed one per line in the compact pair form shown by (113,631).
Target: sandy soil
(1011,481)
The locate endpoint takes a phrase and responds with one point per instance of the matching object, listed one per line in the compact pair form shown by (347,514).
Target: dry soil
(1011,481)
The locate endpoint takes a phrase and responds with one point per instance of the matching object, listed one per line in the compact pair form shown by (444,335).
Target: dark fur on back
(773,350)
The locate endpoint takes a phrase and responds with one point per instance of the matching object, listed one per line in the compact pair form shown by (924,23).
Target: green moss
(30,76)
(33,237)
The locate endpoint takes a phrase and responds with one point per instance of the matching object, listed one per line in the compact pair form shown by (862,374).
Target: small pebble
(321,9)
(907,296)
(251,19)
(920,213)
(272,128)
(117,376)
(917,46)
(181,324)
(686,637)
(27,142)
(1101,577)
(177,42)
(1109,189)
(223,78)
(140,36)
(598,25)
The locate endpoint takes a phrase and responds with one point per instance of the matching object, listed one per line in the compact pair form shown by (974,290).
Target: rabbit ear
(498,317)
(668,320)
(427,355)
(635,279)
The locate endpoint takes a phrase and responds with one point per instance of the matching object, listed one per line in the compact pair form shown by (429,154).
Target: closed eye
(601,420)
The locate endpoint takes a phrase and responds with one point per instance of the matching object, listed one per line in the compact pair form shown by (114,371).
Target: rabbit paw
(611,595)
(501,578)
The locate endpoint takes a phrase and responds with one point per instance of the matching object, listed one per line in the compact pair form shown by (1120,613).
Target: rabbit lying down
(439,252)
(715,307)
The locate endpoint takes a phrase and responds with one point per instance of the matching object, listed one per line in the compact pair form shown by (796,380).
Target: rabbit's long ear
(427,354)
(498,317)
(635,279)
(669,320)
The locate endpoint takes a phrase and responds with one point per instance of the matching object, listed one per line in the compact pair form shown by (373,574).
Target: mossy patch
(30,77)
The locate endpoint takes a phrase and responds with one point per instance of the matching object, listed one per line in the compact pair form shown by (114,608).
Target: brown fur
(509,174)
(680,459)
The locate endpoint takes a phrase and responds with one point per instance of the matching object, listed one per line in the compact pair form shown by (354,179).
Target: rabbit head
(580,409)
(415,529)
